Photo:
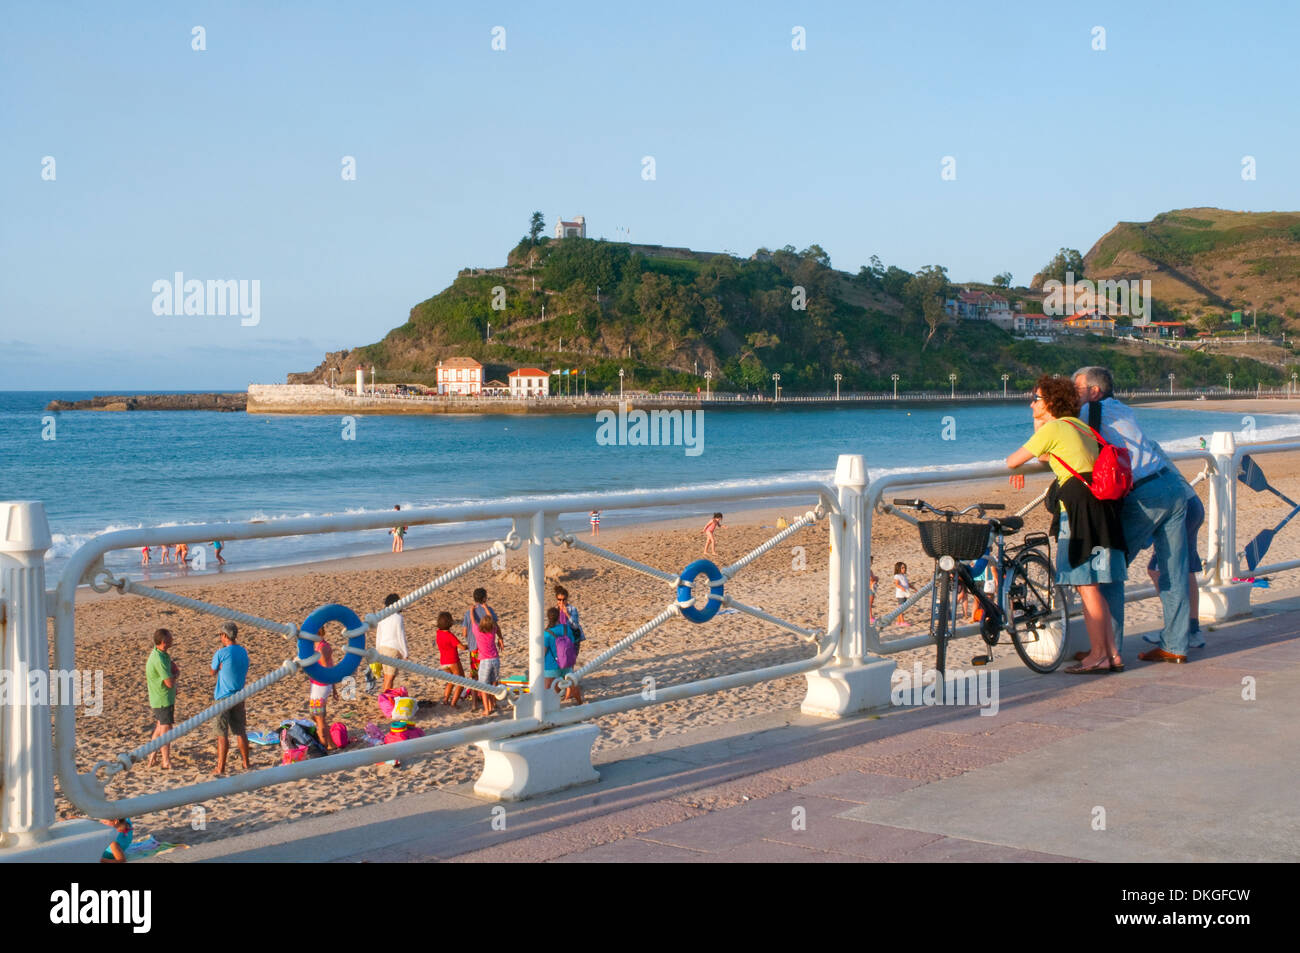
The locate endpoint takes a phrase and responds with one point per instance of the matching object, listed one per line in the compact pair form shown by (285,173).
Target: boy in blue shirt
(230,669)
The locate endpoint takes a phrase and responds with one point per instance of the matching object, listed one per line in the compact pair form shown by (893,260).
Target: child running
(449,657)
(218,545)
(715,524)
(902,588)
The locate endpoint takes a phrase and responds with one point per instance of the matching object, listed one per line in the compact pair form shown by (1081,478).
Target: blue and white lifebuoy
(686,597)
(341,669)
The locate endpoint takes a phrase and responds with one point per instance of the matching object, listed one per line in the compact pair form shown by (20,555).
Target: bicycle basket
(958,540)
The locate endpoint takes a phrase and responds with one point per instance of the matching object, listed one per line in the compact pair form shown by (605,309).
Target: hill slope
(667,315)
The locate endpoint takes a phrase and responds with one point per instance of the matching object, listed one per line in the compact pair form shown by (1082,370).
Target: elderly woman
(1090,540)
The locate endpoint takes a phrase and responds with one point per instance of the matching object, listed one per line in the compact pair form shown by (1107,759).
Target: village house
(1090,321)
(529,382)
(496,389)
(1036,325)
(978,306)
(460,375)
(575,229)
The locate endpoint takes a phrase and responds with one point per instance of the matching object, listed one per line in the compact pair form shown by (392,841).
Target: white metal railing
(537,710)
(845,648)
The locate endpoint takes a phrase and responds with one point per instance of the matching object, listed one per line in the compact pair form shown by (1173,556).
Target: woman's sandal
(1101,668)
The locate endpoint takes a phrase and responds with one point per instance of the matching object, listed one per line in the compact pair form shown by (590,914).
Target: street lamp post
(776,387)
(894,378)
(1293,377)
(952,379)
(620,384)
(1005,378)
(1171,383)
(372,380)
(838,378)
(1229,383)
(708,376)
(489,331)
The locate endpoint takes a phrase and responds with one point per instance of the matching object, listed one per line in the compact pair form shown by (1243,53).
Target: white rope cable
(125,760)
(809,635)
(609,653)
(568,539)
(808,519)
(1031,504)
(496,549)
(134,588)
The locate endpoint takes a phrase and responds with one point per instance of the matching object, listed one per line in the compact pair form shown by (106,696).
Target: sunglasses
(1037,398)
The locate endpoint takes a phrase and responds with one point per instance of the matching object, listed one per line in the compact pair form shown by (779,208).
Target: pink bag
(386,700)
(339,734)
(294,754)
(410,731)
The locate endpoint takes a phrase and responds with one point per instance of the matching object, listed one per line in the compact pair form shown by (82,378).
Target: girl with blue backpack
(561,653)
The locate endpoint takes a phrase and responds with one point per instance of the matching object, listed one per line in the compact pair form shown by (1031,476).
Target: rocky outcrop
(222,402)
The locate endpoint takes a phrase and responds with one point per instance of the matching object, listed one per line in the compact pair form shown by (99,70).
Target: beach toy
(403,709)
(307,648)
(517,683)
(388,699)
(686,598)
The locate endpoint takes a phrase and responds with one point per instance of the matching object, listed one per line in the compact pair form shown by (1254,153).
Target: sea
(102,471)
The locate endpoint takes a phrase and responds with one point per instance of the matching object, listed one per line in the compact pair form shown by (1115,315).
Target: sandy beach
(114,634)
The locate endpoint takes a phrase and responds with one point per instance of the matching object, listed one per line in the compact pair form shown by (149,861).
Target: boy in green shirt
(160,672)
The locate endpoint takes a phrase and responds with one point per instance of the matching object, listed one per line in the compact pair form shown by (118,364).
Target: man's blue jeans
(1157,512)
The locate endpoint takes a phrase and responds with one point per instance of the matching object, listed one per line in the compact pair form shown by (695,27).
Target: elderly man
(1154,511)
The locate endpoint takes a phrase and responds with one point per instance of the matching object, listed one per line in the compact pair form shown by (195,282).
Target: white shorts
(320,692)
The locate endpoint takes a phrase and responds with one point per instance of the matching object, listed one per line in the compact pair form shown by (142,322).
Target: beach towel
(518,682)
(264,737)
(149,847)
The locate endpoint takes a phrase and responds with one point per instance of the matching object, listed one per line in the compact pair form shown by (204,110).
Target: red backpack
(1112,471)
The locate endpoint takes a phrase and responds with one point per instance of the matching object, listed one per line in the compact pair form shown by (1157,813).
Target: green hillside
(666,317)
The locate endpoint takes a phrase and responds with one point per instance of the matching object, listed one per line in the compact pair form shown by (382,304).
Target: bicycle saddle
(1008,525)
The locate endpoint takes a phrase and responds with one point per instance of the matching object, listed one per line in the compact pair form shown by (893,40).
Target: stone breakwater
(222,402)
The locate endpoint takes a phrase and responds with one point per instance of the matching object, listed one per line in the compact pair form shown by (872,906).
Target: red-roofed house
(460,375)
(1090,321)
(530,382)
(575,229)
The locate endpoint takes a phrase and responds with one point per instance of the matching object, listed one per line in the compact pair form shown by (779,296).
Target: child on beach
(489,660)
(902,588)
(871,598)
(319,693)
(710,528)
(595,522)
(398,533)
(560,654)
(182,554)
(164,555)
(144,556)
(449,657)
(115,853)
(218,546)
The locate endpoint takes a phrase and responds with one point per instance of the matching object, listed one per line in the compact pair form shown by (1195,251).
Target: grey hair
(231,630)
(1098,377)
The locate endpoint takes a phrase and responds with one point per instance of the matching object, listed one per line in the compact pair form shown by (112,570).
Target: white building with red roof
(460,375)
(529,382)
(575,229)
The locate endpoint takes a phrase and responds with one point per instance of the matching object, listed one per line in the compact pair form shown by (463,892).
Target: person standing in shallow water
(399,533)
(710,544)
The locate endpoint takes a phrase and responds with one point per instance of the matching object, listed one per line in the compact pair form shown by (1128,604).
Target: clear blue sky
(226,163)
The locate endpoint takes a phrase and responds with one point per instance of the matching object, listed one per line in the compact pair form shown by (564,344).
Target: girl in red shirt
(449,657)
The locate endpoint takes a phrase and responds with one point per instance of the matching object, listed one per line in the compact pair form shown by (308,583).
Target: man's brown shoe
(1160,655)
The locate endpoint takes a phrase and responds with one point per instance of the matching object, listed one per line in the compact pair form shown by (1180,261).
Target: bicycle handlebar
(922,505)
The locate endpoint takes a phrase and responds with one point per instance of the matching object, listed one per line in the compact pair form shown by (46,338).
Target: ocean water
(107,471)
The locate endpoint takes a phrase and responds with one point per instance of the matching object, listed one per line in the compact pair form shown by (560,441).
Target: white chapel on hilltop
(575,229)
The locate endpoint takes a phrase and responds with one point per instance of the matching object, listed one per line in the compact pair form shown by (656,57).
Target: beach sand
(114,634)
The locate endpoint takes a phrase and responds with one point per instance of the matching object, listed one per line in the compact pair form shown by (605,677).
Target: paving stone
(631,850)
(860,839)
(857,786)
(776,852)
(957,850)
(719,830)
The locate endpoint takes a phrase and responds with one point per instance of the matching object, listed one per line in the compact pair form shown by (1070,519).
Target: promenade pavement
(1192,762)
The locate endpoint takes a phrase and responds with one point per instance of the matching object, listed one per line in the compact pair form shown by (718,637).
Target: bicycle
(1030,606)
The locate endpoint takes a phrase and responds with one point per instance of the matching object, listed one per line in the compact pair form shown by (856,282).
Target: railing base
(67,842)
(1220,603)
(519,768)
(838,689)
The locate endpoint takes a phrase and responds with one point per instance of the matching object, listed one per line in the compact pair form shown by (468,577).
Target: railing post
(851,682)
(27,828)
(518,768)
(1221,598)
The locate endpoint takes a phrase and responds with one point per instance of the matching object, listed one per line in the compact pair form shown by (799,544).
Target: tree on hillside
(535,227)
(1002,280)
(1066,260)
(925,294)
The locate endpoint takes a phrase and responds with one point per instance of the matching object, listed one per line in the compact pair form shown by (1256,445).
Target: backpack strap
(1071,469)
(1094,415)
(1101,441)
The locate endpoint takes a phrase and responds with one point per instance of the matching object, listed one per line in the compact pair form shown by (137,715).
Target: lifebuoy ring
(686,597)
(340,670)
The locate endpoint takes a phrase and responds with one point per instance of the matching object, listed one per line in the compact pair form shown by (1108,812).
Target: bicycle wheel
(942,616)
(1037,614)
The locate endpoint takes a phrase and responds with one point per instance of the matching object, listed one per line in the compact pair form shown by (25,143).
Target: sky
(227,162)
